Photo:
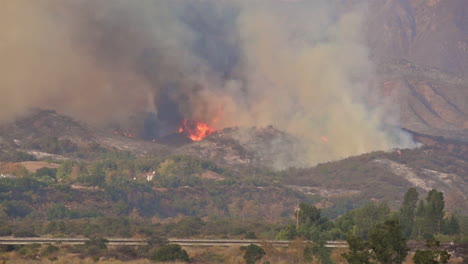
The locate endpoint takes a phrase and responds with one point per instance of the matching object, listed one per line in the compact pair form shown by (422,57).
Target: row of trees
(425,218)
(386,244)
(157,249)
(375,234)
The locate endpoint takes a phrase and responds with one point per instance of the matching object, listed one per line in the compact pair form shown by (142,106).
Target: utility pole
(297,210)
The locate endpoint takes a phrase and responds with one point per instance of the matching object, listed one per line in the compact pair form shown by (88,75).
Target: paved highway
(142,242)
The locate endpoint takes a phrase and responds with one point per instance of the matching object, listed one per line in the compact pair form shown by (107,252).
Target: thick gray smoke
(300,66)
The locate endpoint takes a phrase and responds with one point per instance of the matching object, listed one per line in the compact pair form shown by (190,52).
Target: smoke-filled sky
(301,66)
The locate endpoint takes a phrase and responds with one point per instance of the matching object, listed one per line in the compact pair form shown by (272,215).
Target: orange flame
(196,131)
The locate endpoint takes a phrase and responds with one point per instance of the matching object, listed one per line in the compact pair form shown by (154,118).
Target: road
(141,242)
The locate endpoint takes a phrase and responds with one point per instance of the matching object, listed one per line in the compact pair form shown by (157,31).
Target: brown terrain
(33,166)
(429,33)
(421,48)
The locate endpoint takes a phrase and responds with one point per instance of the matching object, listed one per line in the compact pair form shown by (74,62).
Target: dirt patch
(323,192)
(33,166)
(160,189)
(10,168)
(87,188)
(211,175)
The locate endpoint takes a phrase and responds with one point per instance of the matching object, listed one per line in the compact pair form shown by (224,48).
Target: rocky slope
(421,48)
(430,101)
(430,33)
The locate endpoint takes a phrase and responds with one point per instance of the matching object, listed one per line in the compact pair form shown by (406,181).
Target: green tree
(95,247)
(58,211)
(17,209)
(388,243)
(359,250)
(451,226)
(3,212)
(319,251)
(308,214)
(408,211)
(170,252)
(253,253)
(46,172)
(435,210)
(65,170)
(95,176)
(370,215)
(5,228)
(49,250)
(419,220)
(188,226)
(121,208)
(431,255)
(287,233)
(314,227)
(346,222)
(16,156)
(421,225)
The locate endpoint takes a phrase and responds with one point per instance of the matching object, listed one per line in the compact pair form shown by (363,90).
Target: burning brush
(194,130)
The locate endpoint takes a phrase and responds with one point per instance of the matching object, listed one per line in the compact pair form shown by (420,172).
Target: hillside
(381,176)
(260,147)
(244,156)
(256,146)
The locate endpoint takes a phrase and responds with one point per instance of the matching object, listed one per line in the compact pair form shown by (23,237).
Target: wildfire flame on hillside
(194,130)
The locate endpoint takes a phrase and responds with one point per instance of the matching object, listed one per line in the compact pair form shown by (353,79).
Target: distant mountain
(430,101)
(421,48)
(430,33)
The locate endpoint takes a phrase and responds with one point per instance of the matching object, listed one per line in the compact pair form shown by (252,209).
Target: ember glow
(194,130)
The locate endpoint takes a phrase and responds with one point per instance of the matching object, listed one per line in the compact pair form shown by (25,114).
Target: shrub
(25,233)
(52,145)
(29,251)
(171,252)
(250,235)
(47,172)
(210,257)
(49,250)
(16,156)
(17,209)
(122,253)
(58,211)
(94,247)
(253,253)
(5,230)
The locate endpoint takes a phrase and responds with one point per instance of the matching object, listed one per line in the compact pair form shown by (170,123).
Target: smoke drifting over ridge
(299,66)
